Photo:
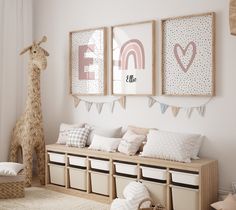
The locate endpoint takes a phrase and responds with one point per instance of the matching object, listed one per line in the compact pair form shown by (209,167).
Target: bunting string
(99,105)
(201,109)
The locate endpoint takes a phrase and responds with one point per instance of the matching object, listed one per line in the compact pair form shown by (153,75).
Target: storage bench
(104,175)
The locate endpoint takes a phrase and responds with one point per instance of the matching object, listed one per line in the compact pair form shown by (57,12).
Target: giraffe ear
(25,50)
(45,52)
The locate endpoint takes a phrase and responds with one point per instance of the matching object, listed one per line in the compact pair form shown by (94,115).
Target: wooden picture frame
(188,55)
(133,58)
(88,62)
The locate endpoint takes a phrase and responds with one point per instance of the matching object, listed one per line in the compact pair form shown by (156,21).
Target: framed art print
(188,55)
(133,58)
(88,62)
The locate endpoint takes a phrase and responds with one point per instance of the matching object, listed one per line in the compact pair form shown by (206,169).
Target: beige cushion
(232,17)
(228,204)
(103,131)
(64,132)
(131,143)
(138,130)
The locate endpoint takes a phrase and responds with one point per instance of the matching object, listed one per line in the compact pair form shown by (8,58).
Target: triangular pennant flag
(201,110)
(188,111)
(122,101)
(151,102)
(164,107)
(112,106)
(76,101)
(88,105)
(175,110)
(99,107)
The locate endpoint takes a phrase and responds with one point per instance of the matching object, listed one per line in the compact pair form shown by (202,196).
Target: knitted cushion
(134,193)
(78,137)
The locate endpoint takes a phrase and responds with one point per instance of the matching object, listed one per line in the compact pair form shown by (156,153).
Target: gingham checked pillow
(78,137)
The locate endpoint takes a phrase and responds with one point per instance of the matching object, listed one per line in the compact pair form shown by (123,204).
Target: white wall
(15,32)
(55,18)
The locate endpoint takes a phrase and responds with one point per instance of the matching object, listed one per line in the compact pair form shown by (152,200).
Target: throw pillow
(107,132)
(138,130)
(78,137)
(170,145)
(64,132)
(103,143)
(228,204)
(10,168)
(131,143)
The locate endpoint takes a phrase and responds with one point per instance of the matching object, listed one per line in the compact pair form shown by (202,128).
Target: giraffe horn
(44,39)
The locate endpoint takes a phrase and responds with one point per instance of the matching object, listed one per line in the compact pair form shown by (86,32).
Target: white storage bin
(100,164)
(125,168)
(56,158)
(185,198)
(78,178)
(77,161)
(158,191)
(57,174)
(121,183)
(100,183)
(185,178)
(154,173)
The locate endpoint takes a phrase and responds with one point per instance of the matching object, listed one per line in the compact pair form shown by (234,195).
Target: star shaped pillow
(228,204)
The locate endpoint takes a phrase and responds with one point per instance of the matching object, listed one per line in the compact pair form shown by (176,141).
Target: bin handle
(156,207)
(145,200)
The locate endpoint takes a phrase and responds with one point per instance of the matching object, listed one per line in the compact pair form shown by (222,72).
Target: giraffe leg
(40,153)
(28,163)
(13,153)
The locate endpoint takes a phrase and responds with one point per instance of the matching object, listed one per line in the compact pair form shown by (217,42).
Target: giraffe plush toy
(28,132)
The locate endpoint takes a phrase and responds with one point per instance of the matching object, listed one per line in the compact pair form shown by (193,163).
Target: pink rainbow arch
(135,48)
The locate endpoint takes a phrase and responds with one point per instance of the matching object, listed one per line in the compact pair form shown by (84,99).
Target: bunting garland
(100,105)
(176,109)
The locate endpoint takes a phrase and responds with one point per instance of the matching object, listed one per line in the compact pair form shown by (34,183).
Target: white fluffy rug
(43,199)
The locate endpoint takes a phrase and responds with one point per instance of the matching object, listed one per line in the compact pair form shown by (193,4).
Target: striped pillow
(134,193)
(78,137)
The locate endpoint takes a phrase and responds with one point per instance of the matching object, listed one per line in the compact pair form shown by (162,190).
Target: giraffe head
(37,54)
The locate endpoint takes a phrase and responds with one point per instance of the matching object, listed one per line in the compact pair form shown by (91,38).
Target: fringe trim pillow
(131,143)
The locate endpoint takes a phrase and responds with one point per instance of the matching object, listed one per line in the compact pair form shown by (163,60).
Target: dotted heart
(184,51)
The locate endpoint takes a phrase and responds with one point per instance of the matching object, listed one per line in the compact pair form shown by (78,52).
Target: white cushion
(131,143)
(107,132)
(104,143)
(78,137)
(10,168)
(64,132)
(170,145)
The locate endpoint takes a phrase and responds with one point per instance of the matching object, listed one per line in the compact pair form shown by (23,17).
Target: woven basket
(152,206)
(12,187)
